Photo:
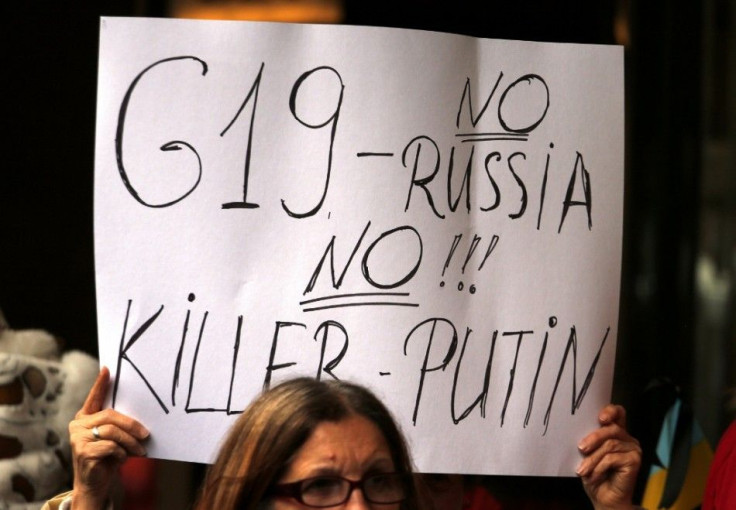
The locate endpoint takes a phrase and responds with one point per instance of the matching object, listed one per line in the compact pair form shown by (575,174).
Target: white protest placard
(435,216)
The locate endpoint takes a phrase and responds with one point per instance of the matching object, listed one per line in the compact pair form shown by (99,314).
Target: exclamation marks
(474,243)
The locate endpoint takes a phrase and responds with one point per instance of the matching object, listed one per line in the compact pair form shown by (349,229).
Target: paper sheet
(436,216)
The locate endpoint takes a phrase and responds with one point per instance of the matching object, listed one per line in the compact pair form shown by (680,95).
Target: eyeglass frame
(294,489)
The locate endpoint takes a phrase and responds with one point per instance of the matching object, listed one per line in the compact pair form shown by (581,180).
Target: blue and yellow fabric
(683,456)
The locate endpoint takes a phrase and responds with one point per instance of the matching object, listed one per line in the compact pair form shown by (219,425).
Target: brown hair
(266,436)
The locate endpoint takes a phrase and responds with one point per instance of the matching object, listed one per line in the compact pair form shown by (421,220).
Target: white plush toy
(41,389)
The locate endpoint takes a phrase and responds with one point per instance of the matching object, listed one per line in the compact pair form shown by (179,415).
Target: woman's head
(264,442)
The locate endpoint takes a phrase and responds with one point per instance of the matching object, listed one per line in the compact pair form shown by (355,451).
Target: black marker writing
(521,108)
(330,250)
(552,324)
(491,137)
(167,147)
(332,120)
(569,202)
(512,371)
(421,182)
(531,90)
(271,366)
(480,400)
(365,266)
(177,367)
(494,163)
(425,369)
(468,95)
(330,366)
(471,250)
(543,189)
(253,92)
(359,302)
(188,407)
(520,182)
(464,186)
(236,348)
(123,355)
(577,398)
(455,242)
(482,397)
(491,247)
(376,154)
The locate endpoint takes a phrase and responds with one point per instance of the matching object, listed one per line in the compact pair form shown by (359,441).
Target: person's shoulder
(59,502)
(731,429)
(63,501)
(720,491)
(728,439)
(479,498)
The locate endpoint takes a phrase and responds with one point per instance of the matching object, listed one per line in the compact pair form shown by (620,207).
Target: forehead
(349,447)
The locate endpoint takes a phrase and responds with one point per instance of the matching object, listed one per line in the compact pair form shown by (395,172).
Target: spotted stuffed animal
(40,391)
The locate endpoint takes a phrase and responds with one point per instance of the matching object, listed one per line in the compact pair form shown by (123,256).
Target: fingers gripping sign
(101,440)
(611,461)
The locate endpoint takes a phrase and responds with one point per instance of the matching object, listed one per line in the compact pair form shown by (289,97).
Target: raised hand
(101,440)
(611,461)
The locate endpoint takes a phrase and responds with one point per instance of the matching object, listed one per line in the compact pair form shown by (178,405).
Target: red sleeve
(720,488)
(478,498)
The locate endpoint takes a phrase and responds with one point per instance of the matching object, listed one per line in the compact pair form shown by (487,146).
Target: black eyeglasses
(325,491)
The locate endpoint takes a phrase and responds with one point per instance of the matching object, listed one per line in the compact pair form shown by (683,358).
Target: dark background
(679,204)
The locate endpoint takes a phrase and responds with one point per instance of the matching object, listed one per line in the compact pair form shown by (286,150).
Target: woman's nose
(357,501)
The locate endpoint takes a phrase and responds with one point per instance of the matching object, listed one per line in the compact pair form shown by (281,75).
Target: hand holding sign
(612,461)
(101,440)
